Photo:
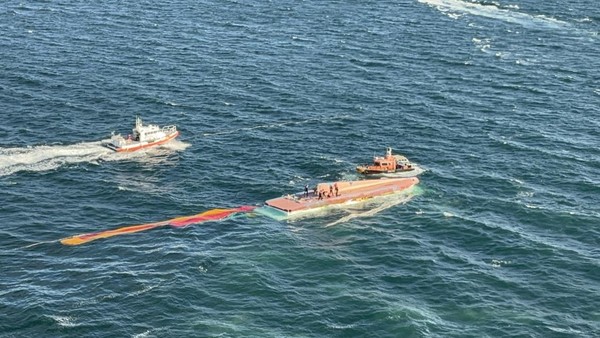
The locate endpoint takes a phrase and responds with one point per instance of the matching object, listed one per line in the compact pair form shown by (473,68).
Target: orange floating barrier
(210,215)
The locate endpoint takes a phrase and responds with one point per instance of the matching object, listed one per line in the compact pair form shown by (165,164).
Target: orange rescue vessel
(389,166)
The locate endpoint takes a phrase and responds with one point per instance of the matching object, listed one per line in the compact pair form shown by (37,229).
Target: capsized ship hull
(348,191)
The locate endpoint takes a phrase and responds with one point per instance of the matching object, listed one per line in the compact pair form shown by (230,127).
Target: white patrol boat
(142,137)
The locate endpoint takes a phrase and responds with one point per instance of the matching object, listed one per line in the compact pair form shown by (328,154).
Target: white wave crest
(494,11)
(64,321)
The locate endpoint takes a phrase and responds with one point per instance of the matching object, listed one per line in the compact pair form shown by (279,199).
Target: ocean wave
(494,11)
(65,321)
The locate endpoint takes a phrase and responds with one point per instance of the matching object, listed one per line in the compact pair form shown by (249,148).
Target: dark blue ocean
(499,102)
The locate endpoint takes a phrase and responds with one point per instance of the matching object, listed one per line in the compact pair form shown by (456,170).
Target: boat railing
(169,129)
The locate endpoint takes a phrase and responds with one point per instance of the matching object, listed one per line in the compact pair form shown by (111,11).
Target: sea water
(497,100)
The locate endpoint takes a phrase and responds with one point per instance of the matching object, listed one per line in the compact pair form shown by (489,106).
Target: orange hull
(347,191)
(147,145)
(374,170)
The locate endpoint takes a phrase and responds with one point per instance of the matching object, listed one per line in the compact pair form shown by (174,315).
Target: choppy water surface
(498,101)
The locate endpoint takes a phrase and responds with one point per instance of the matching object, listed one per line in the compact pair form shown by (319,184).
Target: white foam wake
(42,158)
(175,145)
(388,203)
(45,157)
(495,12)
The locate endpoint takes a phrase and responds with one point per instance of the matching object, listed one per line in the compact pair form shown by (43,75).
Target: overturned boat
(143,136)
(336,193)
(389,166)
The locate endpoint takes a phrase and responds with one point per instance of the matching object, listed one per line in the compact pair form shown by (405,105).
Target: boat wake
(494,11)
(416,172)
(43,158)
(174,145)
(388,203)
(50,157)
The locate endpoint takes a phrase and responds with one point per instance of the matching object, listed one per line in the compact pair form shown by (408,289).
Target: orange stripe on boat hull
(152,144)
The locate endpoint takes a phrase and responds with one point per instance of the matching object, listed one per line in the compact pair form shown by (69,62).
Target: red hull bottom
(347,191)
